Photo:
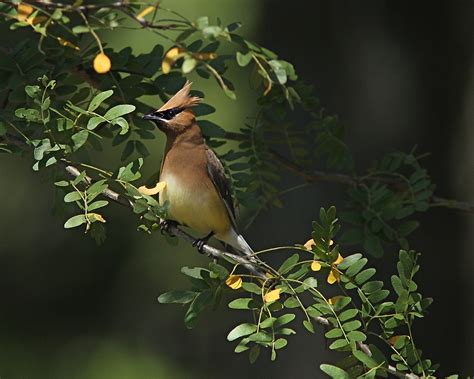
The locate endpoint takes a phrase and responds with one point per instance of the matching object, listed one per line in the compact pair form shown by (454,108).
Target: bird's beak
(148,116)
(151,116)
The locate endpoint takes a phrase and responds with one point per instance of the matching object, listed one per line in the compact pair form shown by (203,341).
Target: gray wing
(217,174)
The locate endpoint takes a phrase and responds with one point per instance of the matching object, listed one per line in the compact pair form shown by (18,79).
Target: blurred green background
(397,74)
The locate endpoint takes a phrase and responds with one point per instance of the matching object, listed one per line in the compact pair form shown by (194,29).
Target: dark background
(396,73)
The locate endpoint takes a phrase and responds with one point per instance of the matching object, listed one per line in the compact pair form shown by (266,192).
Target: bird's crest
(181,99)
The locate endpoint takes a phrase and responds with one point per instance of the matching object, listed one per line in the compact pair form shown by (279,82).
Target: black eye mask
(169,113)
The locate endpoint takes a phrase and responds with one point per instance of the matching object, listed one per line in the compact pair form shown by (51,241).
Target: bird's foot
(165,225)
(201,242)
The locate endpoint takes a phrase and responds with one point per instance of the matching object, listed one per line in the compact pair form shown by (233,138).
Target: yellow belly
(195,204)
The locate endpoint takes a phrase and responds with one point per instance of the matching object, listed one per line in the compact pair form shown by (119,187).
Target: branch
(173,230)
(249,263)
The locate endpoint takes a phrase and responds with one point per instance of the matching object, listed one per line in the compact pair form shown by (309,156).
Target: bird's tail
(238,242)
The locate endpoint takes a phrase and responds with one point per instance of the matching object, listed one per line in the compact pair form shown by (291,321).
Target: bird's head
(176,115)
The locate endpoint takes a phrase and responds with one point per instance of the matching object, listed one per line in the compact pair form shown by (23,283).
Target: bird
(197,190)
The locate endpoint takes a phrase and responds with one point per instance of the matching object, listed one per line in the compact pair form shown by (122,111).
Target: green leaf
(177,297)
(124,128)
(378,296)
(268,322)
(289,263)
(365,359)
(349,261)
(280,343)
(365,275)
(348,314)
(97,204)
(260,337)
(75,221)
(334,333)
(78,29)
(338,344)
(334,372)
(252,288)
(243,59)
(61,183)
(254,353)
(243,303)
(283,320)
(200,302)
(286,331)
(219,270)
(28,114)
(79,139)
(308,325)
(99,98)
(32,91)
(371,287)
(356,336)
(241,330)
(130,172)
(119,110)
(72,196)
(355,267)
(188,65)
(94,122)
(352,325)
(310,282)
(291,302)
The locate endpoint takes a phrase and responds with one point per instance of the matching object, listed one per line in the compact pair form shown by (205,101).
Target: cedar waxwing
(196,187)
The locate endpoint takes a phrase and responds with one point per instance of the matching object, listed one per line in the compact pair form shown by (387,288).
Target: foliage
(66,97)
(360,317)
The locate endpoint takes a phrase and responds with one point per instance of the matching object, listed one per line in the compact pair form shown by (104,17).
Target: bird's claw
(165,225)
(199,244)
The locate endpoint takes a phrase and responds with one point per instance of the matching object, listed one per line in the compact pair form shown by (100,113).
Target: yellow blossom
(315,266)
(171,56)
(334,275)
(152,191)
(102,63)
(234,282)
(145,12)
(310,243)
(24,10)
(271,296)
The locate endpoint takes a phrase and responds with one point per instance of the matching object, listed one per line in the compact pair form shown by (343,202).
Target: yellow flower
(144,12)
(315,266)
(334,275)
(310,243)
(102,63)
(271,296)
(152,191)
(24,10)
(171,56)
(234,282)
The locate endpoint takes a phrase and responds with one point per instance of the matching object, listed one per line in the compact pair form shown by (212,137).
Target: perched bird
(196,186)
